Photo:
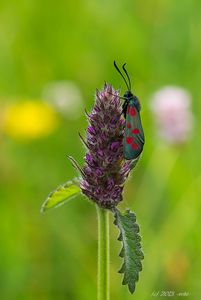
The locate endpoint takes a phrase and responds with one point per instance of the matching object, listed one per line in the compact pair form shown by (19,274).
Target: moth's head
(128,95)
(132,99)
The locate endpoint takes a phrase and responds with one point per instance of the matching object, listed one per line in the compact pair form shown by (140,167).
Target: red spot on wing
(129,125)
(134,146)
(129,140)
(135,131)
(132,111)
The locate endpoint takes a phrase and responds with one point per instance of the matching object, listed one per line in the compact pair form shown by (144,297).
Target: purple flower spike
(99,172)
(114,120)
(91,130)
(104,179)
(115,146)
(88,157)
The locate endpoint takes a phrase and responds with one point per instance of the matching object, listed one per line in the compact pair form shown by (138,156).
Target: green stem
(103,253)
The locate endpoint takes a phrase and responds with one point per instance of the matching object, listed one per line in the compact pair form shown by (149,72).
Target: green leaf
(61,195)
(131,248)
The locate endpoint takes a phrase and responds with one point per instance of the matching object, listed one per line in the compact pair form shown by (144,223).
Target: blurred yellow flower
(29,120)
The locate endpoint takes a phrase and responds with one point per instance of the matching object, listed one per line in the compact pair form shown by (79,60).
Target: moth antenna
(121,74)
(127,76)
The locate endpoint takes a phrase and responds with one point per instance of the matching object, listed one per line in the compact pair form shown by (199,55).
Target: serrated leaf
(131,251)
(122,252)
(61,195)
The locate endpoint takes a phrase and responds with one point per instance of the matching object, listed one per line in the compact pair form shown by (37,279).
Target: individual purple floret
(105,170)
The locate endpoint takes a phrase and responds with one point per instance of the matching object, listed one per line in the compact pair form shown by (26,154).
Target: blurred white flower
(65,97)
(172,111)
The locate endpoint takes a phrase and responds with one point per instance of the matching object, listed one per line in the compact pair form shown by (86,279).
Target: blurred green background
(44,43)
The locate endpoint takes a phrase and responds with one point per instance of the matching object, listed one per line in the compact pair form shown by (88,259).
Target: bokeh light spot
(29,120)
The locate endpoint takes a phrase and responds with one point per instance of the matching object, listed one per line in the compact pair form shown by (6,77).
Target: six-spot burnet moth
(134,135)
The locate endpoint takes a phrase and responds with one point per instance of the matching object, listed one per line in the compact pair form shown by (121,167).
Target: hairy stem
(103,253)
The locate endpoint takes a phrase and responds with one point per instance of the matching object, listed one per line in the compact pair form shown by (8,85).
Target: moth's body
(134,134)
